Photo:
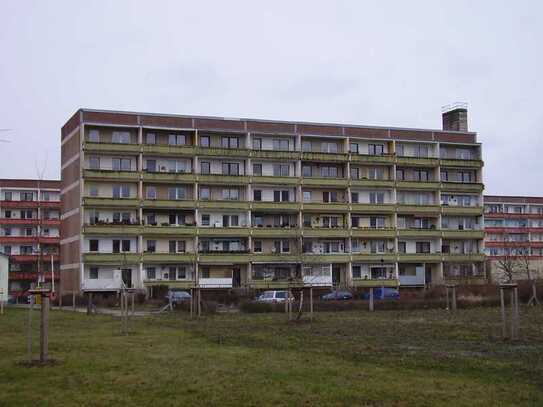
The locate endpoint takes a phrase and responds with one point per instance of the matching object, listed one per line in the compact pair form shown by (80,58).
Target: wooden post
(311,303)
(447,295)
(133,295)
(371,298)
(29,331)
(502,303)
(513,314)
(73,300)
(454,298)
(199,303)
(44,328)
(191,302)
(289,304)
(89,302)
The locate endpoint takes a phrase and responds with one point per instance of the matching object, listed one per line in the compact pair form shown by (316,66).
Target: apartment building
(514,231)
(30,231)
(219,203)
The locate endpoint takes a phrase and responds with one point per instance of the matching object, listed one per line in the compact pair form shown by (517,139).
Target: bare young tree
(508,264)
(524,265)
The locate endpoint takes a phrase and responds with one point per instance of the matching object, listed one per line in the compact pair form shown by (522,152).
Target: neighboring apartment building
(514,231)
(220,202)
(30,230)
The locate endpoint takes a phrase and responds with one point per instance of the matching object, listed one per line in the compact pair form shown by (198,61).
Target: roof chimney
(455,117)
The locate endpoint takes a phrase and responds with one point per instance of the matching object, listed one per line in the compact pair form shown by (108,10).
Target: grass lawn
(398,358)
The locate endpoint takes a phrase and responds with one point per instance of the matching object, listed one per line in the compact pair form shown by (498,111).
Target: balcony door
(127,277)
(236,277)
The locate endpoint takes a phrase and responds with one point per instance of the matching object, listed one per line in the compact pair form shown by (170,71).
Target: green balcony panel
(417,161)
(461,163)
(466,280)
(358,282)
(264,232)
(325,258)
(274,180)
(170,258)
(168,150)
(224,258)
(227,232)
(275,258)
(223,152)
(372,183)
(420,257)
(223,179)
(417,185)
(112,259)
(418,209)
(325,182)
(106,175)
(276,206)
(451,258)
(463,210)
(422,233)
(326,207)
(186,284)
(112,229)
(463,234)
(241,205)
(169,230)
(111,148)
(326,232)
(374,233)
(331,157)
(275,284)
(372,208)
(110,202)
(169,177)
(374,257)
(463,187)
(372,159)
(276,155)
(168,204)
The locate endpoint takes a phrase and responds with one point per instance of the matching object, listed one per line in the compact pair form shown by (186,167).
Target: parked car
(274,297)
(382,293)
(178,297)
(336,295)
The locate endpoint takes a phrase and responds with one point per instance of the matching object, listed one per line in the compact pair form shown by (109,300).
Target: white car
(274,297)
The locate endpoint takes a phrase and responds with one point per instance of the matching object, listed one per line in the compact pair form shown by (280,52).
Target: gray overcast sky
(360,62)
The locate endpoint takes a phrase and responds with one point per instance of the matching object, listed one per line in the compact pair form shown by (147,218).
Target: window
(7,214)
(307,196)
(444,175)
(176,193)
(463,154)
(204,141)
(257,195)
(422,247)
(376,149)
(329,172)
(306,171)
(306,145)
(421,175)
(257,169)
(329,196)
(28,232)
(401,247)
(285,246)
(421,151)
(357,271)
(234,220)
(126,245)
(281,170)
(230,194)
(400,150)
(94,163)
(230,168)
(93,273)
(400,174)
(176,219)
(151,219)
(466,176)
(280,145)
(150,138)
(151,273)
(205,167)
(25,214)
(121,191)
(205,271)
(354,148)
(355,221)
(7,250)
(257,144)
(172,244)
(376,173)
(181,272)
(121,137)
(26,250)
(377,246)
(121,164)
(94,136)
(355,173)
(27,196)
(151,246)
(377,222)
(205,220)
(257,246)
(354,197)
(204,193)
(93,190)
(93,245)
(151,192)
(176,139)
(229,142)
(8,196)
(327,147)
(377,197)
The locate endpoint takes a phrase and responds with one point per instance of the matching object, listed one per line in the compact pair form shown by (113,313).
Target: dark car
(178,297)
(384,293)
(337,295)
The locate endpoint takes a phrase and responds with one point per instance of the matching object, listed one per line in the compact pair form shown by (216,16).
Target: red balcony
(10,221)
(494,229)
(50,239)
(31,275)
(27,258)
(30,204)
(514,215)
(18,239)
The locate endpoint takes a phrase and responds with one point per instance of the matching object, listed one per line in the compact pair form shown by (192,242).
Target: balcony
(274,180)
(456,162)
(168,204)
(223,152)
(186,284)
(326,206)
(275,258)
(31,258)
(275,284)
(112,229)
(325,182)
(463,234)
(460,186)
(275,206)
(174,177)
(374,257)
(418,185)
(101,284)
(474,257)
(223,205)
(167,150)
(361,283)
(326,232)
(372,208)
(29,204)
(96,202)
(222,179)
(12,221)
(372,183)
(369,233)
(49,239)
(420,257)
(420,233)
(168,258)
(328,157)
(18,239)
(215,282)
(114,259)
(275,232)
(111,148)
(223,231)
(462,210)
(169,230)
(418,209)
(224,257)
(475,280)
(110,175)
(317,258)
(372,159)
(276,155)
(417,161)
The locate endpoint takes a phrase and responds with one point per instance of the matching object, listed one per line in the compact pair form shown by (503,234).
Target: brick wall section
(29,183)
